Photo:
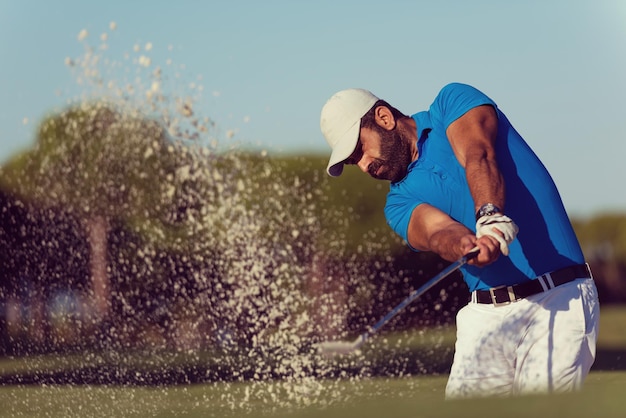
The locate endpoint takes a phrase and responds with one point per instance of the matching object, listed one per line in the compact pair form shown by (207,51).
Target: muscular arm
(473,138)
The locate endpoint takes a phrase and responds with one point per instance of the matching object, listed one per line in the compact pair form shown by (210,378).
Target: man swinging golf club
(463,178)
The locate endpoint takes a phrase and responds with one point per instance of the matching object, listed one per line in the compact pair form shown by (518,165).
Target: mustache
(388,172)
(373,168)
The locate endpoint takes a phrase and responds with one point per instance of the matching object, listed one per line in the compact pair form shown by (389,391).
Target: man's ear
(384,118)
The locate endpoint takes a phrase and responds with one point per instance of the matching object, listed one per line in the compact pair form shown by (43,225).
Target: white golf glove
(486,225)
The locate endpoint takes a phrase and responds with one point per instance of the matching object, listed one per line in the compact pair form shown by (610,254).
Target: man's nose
(363,164)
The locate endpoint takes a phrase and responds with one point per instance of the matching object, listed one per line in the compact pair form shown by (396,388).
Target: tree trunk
(100,292)
(330,311)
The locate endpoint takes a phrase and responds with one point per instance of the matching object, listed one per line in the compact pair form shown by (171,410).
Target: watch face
(487,209)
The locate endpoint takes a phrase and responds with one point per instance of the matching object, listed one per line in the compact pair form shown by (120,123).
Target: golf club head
(329,348)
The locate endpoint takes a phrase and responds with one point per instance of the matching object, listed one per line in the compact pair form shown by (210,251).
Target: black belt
(506,294)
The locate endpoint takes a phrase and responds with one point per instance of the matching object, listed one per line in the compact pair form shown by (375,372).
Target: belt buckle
(510,292)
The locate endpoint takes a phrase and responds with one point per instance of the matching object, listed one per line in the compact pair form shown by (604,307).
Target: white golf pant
(544,343)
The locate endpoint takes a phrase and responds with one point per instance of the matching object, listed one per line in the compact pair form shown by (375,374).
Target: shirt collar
(424,125)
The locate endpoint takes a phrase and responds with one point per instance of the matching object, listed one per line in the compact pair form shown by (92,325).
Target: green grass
(420,396)
(602,397)
(411,397)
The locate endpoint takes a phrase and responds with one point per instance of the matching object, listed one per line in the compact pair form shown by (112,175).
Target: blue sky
(556,67)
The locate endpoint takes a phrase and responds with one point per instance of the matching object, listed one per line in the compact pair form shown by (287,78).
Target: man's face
(383,154)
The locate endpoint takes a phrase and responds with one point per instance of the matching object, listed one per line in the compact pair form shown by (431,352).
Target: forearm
(430,229)
(452,242)
(473,138)
(485,181)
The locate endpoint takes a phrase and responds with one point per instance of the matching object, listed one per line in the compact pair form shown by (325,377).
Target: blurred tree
(98,164)
(603,238)
(349,207)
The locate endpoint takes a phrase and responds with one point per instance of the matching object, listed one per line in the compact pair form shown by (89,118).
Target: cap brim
(344,148)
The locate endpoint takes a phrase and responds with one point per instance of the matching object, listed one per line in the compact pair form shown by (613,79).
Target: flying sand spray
(250,249)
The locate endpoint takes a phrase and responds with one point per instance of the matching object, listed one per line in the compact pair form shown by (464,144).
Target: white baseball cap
(341,122)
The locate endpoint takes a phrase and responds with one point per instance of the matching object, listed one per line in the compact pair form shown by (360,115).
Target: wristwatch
(487,209)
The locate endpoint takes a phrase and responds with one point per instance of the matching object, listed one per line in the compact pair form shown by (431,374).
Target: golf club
(345,347)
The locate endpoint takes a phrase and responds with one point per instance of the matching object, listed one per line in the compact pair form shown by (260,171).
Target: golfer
(462,177)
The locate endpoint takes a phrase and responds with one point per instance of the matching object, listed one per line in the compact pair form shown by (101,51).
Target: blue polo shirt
(546,240)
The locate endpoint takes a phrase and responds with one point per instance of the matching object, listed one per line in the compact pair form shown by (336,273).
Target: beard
(395,157)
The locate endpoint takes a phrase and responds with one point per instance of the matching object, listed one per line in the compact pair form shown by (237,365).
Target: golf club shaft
(417,293)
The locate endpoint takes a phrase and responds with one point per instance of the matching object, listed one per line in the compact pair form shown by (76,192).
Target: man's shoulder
(454,89)
(454,100)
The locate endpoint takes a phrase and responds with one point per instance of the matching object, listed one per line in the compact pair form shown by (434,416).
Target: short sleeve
(402,199)
(456,99)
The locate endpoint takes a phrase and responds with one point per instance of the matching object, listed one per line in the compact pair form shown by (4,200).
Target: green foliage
(349,207)
(95,161)
(603,237)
